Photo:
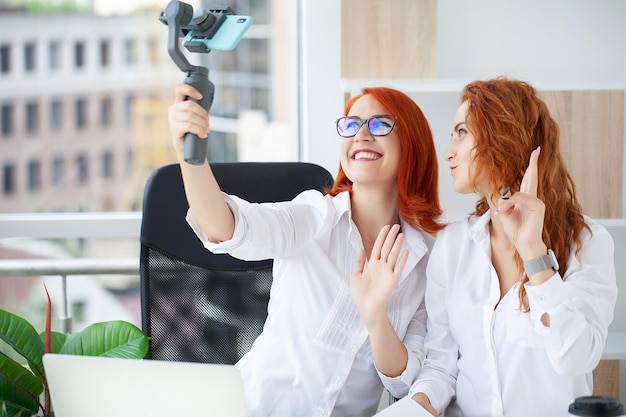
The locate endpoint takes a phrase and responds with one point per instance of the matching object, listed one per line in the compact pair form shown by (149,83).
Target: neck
(372,210)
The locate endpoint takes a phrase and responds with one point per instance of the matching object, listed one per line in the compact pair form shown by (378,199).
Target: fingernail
(505,192)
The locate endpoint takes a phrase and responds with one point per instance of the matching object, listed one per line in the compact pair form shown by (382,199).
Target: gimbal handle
(177,15)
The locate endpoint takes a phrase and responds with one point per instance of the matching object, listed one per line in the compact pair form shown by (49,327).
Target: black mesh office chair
(197,306)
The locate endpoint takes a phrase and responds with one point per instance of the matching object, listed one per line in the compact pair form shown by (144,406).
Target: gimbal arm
(177,15)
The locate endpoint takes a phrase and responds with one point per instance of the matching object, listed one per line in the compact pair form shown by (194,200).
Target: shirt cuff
(399,386)
(544,297)
(227,245)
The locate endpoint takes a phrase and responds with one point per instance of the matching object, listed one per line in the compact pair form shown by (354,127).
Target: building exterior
(83,105)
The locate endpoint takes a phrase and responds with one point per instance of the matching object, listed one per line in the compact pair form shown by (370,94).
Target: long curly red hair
(508,121)
(418,197)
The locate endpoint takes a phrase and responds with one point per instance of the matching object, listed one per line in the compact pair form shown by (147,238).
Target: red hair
(508,121)
(418,197)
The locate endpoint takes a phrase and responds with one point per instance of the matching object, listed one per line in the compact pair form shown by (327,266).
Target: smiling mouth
(366,156)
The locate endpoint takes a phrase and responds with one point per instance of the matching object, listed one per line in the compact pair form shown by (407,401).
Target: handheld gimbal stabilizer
(180,20)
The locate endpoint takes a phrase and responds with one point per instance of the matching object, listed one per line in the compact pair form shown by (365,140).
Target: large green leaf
(57,340)
(117,338)
(22,337)
(19,387)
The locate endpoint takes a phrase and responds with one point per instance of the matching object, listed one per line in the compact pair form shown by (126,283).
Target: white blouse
(498,361)
(313,357)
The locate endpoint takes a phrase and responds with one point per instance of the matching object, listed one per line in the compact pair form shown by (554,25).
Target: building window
(34,175)
(8,179)
(30,51)
(79,54)
(105,52)
(58,168)
(5,59)
(81,113)
(7,119)
(106,111)
(81,169)
(154,47)
(107,164)
(54,51)
(56,115)
(130,53)
(32,118)
(128,109)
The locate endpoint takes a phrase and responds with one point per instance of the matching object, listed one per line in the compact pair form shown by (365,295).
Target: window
(154,47)
(5,59)
(58,168)
(107,164)
(81,113)
(7,119)
(32,118)
(81,169)
(128,109)
(105,51)
(8,178)
(106,111)
(30,51)
(130,53)
(259,62)
(54,52)
(79,54)
(56,115)
(34,175)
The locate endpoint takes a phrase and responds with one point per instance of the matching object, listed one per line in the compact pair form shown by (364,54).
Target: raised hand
(371,284)
(522,214)
(186,116)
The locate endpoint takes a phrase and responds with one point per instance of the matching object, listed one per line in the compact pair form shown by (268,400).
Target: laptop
(96,386)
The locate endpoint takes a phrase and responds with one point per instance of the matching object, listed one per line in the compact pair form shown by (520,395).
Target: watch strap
(548,261)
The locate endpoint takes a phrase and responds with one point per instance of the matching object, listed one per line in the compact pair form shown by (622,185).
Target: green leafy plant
(23,386)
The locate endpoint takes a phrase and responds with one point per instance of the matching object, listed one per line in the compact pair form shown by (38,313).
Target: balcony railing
(69,225)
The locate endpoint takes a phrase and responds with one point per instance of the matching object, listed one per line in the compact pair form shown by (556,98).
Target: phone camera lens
(241,20)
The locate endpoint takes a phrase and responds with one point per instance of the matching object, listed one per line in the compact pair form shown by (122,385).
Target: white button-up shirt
(313,356)
(505,362)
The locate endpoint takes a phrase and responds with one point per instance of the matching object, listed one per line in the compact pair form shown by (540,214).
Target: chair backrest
(197,306)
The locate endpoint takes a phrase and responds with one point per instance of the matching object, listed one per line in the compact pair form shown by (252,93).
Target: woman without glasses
(346,314)
(520,293)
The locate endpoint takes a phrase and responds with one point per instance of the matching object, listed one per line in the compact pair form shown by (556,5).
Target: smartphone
(227,36)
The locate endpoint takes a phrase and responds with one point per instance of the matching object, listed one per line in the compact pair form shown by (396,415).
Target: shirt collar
(413,239)
(479,227)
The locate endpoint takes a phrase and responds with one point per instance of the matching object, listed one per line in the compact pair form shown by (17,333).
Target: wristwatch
(533,266)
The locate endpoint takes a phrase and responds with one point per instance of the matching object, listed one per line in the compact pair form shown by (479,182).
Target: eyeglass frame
(365,122)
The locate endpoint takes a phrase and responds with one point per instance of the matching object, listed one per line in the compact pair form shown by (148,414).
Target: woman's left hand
(371,285)
(522,214)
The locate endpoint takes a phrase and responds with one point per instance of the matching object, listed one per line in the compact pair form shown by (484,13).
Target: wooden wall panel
(388,39)
(592,142)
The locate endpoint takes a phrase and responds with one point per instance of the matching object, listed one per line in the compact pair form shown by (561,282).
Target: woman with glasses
(521,292)
(346,316)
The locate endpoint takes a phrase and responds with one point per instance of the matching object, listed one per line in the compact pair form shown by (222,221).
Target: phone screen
(227,36)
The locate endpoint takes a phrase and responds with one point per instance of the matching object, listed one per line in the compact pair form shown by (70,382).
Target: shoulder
(597,233)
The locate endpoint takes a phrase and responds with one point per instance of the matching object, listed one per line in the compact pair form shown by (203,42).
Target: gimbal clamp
(180,19)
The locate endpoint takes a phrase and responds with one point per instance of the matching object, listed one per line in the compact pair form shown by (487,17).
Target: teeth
(366,155)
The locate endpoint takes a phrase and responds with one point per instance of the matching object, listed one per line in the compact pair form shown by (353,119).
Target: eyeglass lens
(377,125)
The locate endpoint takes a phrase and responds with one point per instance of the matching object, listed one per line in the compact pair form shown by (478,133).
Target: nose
(449,153)
(363,133)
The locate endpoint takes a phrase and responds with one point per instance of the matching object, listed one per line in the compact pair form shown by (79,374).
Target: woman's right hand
(423,400)
(187,116)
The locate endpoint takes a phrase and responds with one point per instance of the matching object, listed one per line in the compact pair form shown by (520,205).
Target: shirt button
(541,298)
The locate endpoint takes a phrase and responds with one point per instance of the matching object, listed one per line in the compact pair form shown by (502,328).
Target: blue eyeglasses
(380,125)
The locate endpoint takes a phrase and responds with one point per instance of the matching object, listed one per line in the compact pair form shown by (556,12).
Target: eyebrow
(457,125)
